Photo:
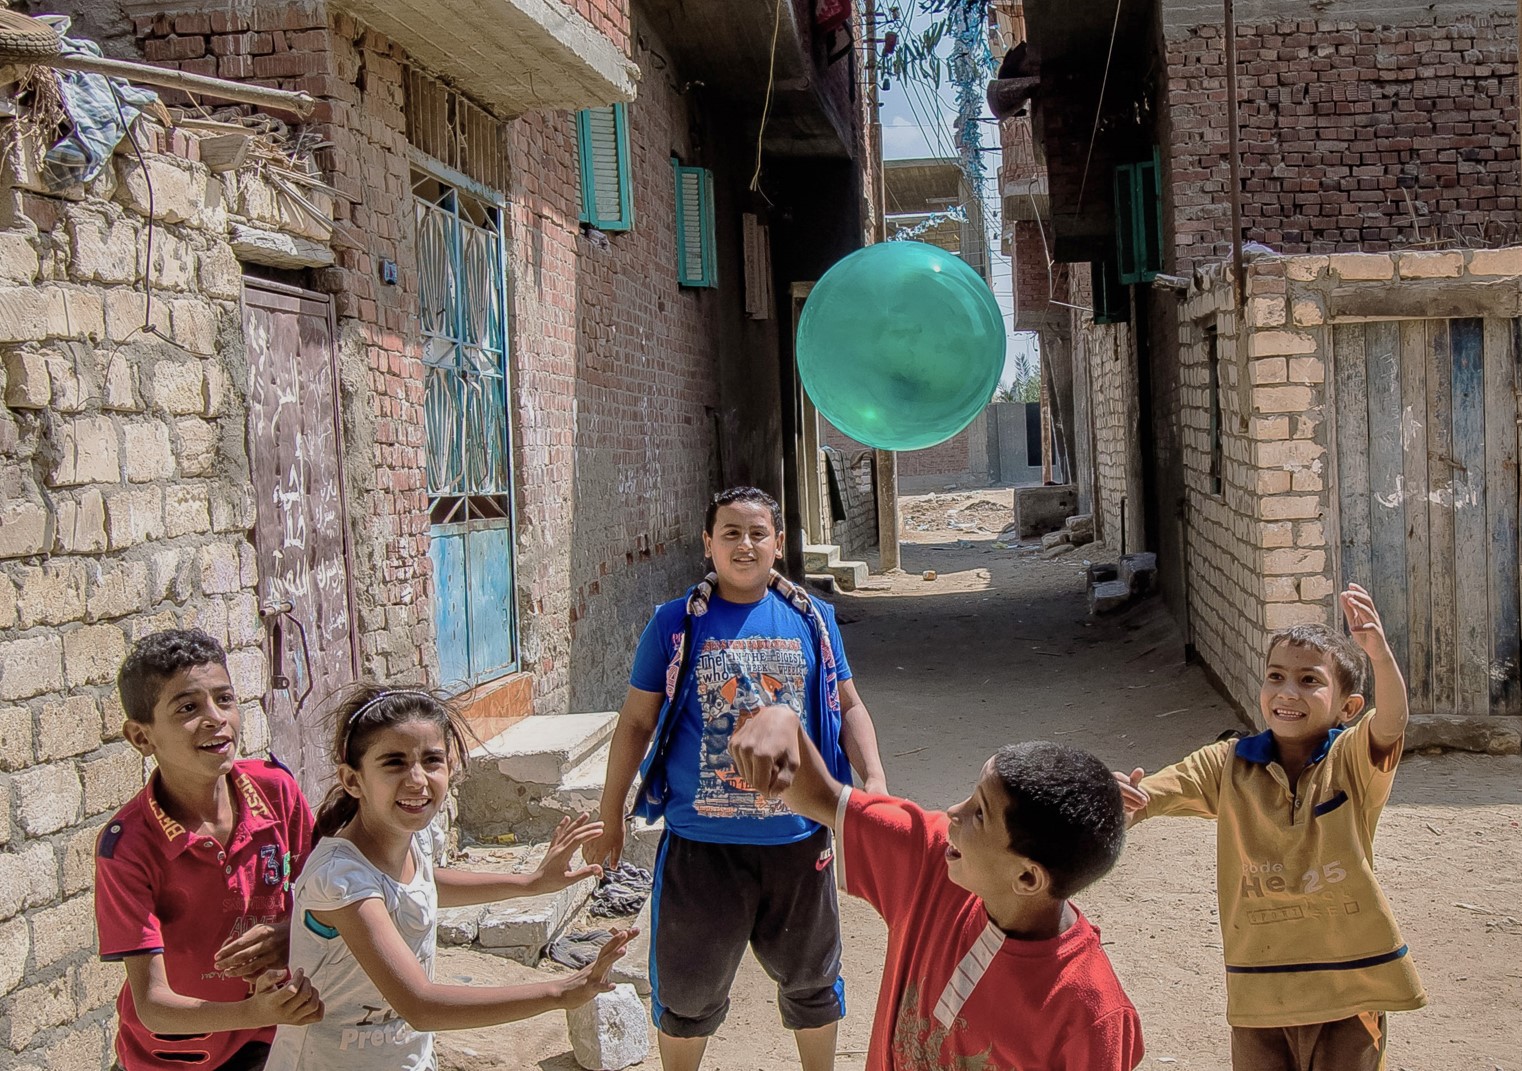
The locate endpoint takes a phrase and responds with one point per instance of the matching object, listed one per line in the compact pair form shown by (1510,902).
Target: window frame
(707,275)
(1138,220)
(467,522)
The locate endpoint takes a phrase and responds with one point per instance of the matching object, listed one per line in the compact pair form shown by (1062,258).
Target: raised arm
(427,1005)
(631,739)
(1391,711)
(775,756)
(859,737)
(461,888)
(274,1002)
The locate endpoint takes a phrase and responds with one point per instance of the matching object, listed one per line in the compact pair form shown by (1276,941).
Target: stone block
(220,274)
(117,589)
(1280,343)
(31,666)
(180,193)
(1448,264)
(193,325)
(16,748)
(78,872)
(15,944)
(68,728)
(134,516)
(103,246)
(111,780)
(1289,507)
(1039,510)
(1268,370)
(1098,572)
(215,391)
(1287,399)
(1486,734)
(118,394)
(23,314)
(186,510)
(1288,561)
(274,249)
(47,798)
(177,385)
(147,451)
(35,1009)
(219,568)
(1363,266)
(521,928)
(93,653)
(127,313)
(1266,311)
(50,594)
(1307,370)
(27,382)
(1108,596)
(1052,553)
(1304,269)
(611,1031)
(73,313)
(27,878)
(169,575)
(81,523)
(1080,528)
(1139,572)
(1277,615)
(1055,539)
(96,985)
(87,452)
(26,528)
(460,925)
(244,626)
(197,450)
(1314,588)
(1496,261)
(62,930)
(1307,312)
(18,258)
(1280,589)
(248,672)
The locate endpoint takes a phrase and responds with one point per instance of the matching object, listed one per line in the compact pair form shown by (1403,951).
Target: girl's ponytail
(337,810)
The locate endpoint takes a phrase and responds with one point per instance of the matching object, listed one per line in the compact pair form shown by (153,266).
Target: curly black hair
(157,657)
(1064,811)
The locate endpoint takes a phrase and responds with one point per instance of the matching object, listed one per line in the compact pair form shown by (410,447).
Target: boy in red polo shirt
(193,875)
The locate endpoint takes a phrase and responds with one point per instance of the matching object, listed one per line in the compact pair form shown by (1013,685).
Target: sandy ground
(999,648)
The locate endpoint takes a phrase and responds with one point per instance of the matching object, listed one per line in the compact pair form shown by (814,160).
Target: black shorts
(711,900)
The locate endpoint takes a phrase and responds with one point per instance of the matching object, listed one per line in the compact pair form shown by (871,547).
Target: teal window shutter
(1112,299)
(602,145)
(694,226)
(1138,220)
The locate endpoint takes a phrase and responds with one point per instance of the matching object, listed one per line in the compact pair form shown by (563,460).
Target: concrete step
(818,557)
(520,928)
(824,582)
(528,777)
(849,575)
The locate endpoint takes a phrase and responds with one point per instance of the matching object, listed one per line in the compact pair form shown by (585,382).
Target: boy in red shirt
(989,965)
(193,875)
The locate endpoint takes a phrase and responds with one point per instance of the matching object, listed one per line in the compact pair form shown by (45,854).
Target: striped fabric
(968,974)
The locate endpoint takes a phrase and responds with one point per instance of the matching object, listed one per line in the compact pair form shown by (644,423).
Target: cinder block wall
(1106,351)
(1364,126)
(124,508)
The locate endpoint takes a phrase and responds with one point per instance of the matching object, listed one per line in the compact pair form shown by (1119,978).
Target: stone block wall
(1366,130)
(1114,412)
(124,508)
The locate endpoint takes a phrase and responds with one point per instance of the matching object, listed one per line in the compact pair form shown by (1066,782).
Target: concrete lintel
(514,56)
(274,249)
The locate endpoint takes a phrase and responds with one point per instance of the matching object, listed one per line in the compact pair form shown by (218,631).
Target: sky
(917,122)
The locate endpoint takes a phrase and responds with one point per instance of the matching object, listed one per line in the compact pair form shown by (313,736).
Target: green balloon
(900,345)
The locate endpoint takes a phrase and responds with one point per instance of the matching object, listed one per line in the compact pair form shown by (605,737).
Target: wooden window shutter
(694,226)
(758,268)
(602,143)
(1138,221)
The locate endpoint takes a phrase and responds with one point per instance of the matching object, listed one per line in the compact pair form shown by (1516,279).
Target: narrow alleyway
(999,648)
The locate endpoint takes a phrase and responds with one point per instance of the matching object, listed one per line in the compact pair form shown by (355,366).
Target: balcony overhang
(513,56)
(727,46)
(1025,198)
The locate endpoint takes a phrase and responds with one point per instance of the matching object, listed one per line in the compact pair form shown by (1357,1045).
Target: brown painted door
(300,532)
(1427,492)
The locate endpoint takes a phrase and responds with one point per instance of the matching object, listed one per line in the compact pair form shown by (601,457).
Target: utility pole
(885,461)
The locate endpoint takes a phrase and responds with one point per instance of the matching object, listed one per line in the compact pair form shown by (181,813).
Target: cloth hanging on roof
(101,107)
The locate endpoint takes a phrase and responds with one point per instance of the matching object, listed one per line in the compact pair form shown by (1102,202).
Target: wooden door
(1427,492)
(301,527)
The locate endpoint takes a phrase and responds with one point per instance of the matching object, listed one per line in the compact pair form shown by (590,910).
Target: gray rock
(459,925)
(1058,551)
(610,1032)
(1053,539)
(1139,571)
(1099,572)
(1108,595)
(1486,734)
(1081,527)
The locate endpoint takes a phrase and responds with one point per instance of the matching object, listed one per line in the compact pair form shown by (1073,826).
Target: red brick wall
(1354,135)
(608,17)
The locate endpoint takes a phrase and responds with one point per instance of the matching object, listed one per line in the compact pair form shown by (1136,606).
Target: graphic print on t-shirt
(735,679)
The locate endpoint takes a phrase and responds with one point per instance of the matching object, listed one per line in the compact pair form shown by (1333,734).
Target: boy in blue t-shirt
(734,868)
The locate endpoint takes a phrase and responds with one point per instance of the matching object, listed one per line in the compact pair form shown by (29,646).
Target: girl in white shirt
(366,905)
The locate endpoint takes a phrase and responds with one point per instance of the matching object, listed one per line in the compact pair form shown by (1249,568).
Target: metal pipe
(1234,154)
(885,462)
(299,103)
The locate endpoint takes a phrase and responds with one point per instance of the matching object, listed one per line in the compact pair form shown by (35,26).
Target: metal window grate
(448,127)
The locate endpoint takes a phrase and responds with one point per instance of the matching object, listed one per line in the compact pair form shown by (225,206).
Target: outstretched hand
(765,750)
(1367,629)
(556,869)
(1132,795)
(593,978)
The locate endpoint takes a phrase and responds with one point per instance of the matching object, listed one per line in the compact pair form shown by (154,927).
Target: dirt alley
(1000,648)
